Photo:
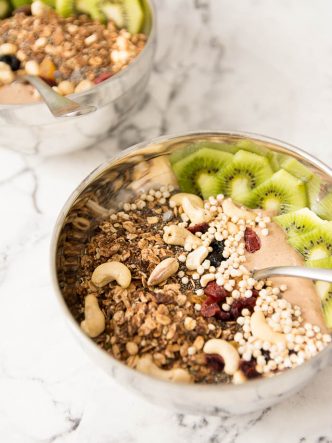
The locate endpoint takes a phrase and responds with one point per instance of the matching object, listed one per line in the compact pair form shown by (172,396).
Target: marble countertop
(255,65)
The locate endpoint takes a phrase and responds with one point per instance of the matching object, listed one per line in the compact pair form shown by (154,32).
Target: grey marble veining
(260,66)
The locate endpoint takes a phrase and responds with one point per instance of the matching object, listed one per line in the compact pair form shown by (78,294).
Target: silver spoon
(59,106)
(294,271)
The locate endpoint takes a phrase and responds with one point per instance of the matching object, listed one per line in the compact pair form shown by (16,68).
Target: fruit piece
(280,194)
(216,256)
(215,362)
(295,168)
(210,308)
(249,368)
(315,244)
(313,190)
(197,173)
(91,8)
(114,12)
(298,222)
(242,303)
(102,77)
(323,208)
(133,14)
(4,8)
(19,3)
(216,292)
(202,227)
(47,69)
(244,173)
(11,60)
(251,240)
(324,289)
(65,8)
(180,154)
(250,146)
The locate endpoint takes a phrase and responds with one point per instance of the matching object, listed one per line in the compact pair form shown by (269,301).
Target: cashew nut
(196,257)
(146,365)
(94,322)
(177,235)
(109,271)
(206,278)
(226,351)
(261,329)
(177,199)
(239,377)
(161,272)
(195,213)
(232,210)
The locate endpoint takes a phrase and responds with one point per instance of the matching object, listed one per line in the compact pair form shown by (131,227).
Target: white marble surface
(255,65)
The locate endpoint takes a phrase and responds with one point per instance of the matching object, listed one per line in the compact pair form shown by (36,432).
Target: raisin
(215,362)
(252,241)
(102,77)
(162,298)
(210,308)
(224,316)
(249,368)
(11,60)
(215,291)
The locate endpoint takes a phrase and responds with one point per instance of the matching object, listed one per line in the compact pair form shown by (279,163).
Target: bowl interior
(137,169)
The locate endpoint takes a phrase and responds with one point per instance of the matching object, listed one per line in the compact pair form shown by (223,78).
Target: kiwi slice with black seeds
(91,8)
(280,194)
(243,174)
(197,173)
(189,149)
(298,222)
(316,244)
(323,288)
(5,8)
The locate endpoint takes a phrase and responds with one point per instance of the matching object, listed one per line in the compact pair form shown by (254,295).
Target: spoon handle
(295,271)
(59,106)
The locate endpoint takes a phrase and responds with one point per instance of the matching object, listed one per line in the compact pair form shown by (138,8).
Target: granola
(201,317)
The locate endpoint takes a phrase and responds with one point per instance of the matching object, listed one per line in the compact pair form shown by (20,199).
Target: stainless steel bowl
(140,168)
(31,128)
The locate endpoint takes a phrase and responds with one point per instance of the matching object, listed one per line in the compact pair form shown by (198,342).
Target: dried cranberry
(224,316)
(218,293)
(242,303)
(249,368)
(252,241)
(202,227)
(255,293)
(102,77)
(215,362)
(210,308)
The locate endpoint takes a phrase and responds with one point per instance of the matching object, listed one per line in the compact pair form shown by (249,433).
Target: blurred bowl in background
(32,129)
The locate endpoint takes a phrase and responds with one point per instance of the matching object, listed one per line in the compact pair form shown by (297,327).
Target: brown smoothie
(276,251)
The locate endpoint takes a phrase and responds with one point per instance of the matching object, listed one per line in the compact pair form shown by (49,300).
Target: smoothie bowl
(152,258)
(99,53)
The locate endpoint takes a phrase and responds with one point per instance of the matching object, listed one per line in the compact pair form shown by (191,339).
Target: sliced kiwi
(65,8)
(294,167)
(5,8)
(323,207)
(316,244)
(91,8)
(114,12)
(324,289)
(197,173)
(280,194)
(189,149)
(298,222)
(250,146)
(244,173)
(133,14)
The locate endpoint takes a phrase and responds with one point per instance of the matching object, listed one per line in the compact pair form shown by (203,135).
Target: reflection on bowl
(141,168)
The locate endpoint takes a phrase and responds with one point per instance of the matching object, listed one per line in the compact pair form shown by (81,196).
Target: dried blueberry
(249,368)
(216,256)
(11,60)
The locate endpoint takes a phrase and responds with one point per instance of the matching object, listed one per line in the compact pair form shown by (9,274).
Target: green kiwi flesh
(295,168)
(316,244)
(180,154)
(323,207)
(197,173)
(114,12)
(298,222)
(324,289)
(244,173)
(5,8)
(65,8)
(280,194)
(92,8)
(133,14)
